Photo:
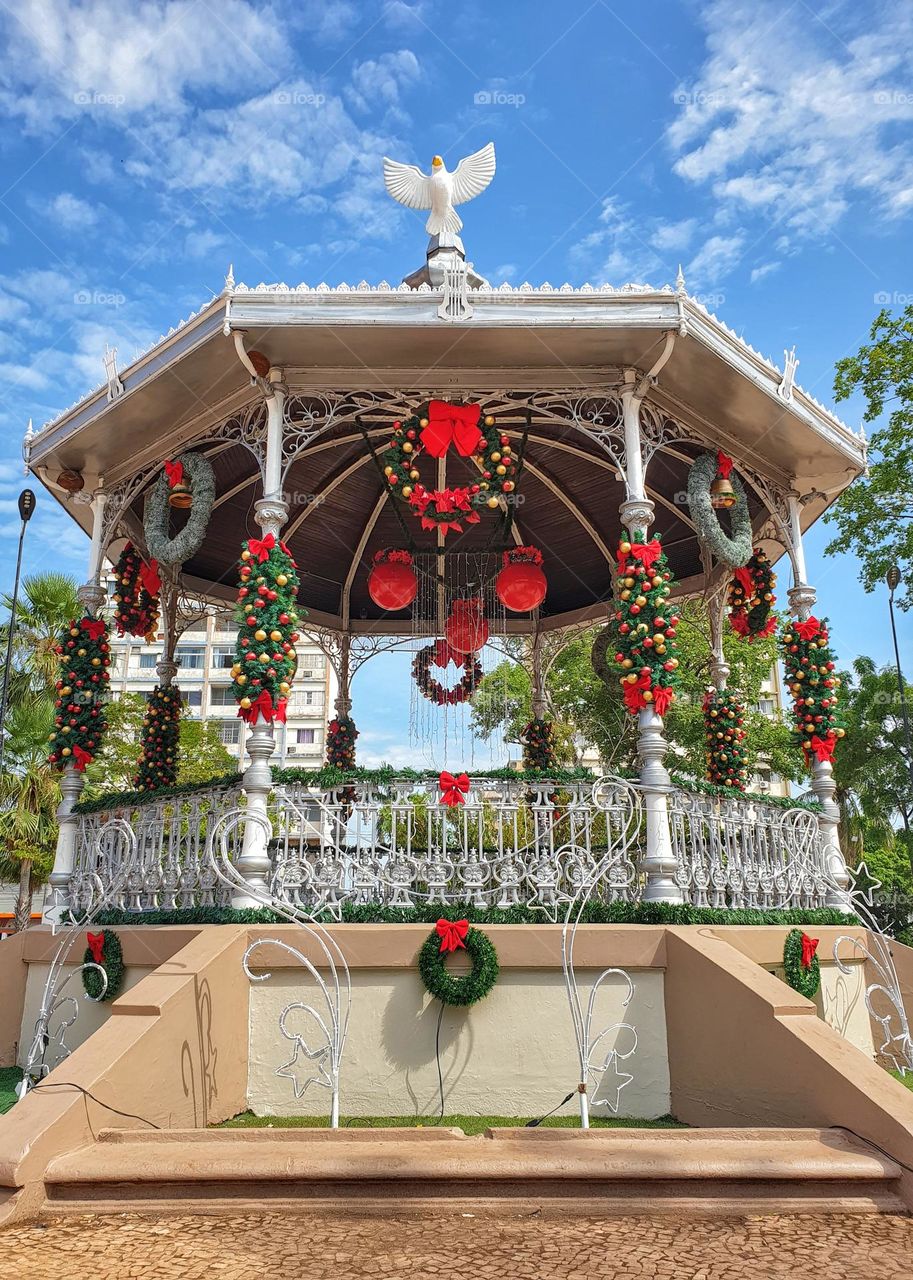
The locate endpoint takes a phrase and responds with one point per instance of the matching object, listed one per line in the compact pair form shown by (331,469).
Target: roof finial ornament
(790,364)
(680,280)
(229,279)
(27,445)
(115,386)
(440,191)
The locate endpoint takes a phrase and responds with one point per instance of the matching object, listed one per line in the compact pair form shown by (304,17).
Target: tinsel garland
(341,735)
(644,626)
(724,716)
(734,549)
(136,595)
(82,690)
(538,745)
(751,598)
(265,658)
(813,682)
(158,762)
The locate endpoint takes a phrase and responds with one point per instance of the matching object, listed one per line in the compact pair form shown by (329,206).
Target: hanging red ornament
(521,585)
(466,629)
(392,583)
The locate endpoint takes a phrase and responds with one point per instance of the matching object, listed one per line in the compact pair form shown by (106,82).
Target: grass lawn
(905,1080)
(469,1124)
(9,1078)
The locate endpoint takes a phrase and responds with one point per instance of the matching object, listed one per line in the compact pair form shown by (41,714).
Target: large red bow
(150,578)
(93,627)
(263,706)
(444,655)
(96,943)
(745,579)
(451,424)
(453,789)
(809,947)
(174,471)
(633,693)
(261,547)
(808,629)
(822,748)
(723,464)
(663,697)
(739,624)
(452,934)
(81,758)
(646,552)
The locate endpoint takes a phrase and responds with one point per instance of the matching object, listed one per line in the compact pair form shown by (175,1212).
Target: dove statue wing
(472,175)
(407,184)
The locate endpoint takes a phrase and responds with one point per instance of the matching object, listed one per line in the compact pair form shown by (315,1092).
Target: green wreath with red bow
(265,657)
(82,691)
(800,963)
(103,948)
(432,431)
(464,990)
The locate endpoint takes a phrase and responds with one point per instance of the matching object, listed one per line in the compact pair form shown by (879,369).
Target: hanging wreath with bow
(450,988)
(732,549)
(433,431)
(803,972)
(194,471)
(103,949)
(440,654)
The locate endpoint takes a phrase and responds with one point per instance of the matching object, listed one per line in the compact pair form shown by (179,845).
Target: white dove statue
(440,190)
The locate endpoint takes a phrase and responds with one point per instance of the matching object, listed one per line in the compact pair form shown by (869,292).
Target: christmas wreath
(82,690)
(136,594)
(440,654)
(732,549)
(265,658)
(450,936)
(432,431)
(538,745)
(193,472)
(803,972)
(724,715)
(812,680)
(104,948)
(751,598)
(158,762)
(341,735)
(644,630)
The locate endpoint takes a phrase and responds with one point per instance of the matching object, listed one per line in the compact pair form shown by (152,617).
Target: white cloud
(673,235)
(766,269)
(628,248)
(378,83)
(716,257)
(71,213)
(796,116)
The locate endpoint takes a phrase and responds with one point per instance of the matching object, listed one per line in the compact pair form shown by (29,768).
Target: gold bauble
(245,703)
(492,502)
(284,687)
(408,447)
(242,679)
(423,422)
(275,635)
(388,471)
(407,490)
(260,635)
(496,456)
(489,420)
(501,470)
(264,658)
(281,579)
(245,555)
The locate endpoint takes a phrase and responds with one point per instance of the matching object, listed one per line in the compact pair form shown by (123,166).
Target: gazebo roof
(545,361)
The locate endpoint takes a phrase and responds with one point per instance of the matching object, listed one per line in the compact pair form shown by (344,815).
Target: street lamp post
(26,507)
(893,580)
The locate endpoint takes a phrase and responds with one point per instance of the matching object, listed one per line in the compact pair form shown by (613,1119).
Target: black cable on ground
(534,1124)
(67,1084)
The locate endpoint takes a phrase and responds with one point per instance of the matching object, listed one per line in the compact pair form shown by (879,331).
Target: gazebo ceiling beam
(356,558)
(562,497)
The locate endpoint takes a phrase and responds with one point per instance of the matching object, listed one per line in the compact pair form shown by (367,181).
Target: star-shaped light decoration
(319,1057)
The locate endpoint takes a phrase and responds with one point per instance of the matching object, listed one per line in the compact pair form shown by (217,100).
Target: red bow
(149,577)
(807,630)
(739,624)
(809,947)
(444,655)
(633,693)
(81,758)
(261,547)
(262,706)
(821,748)
(96,943)
(281,704)
(745,579)
(174,471)
(646,552)
(93,627)
(723,464)
(663,698)
(284,547)
(453,789)
(451,934)
(451,424)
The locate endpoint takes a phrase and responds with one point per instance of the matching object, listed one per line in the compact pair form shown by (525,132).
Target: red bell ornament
(392,583)
(521,584)
(466,629)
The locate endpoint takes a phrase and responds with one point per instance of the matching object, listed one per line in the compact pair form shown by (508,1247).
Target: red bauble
(467,627)
(521,587)
(392,585)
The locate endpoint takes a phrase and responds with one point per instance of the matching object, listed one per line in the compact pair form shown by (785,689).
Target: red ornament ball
(392,586)
(521,587)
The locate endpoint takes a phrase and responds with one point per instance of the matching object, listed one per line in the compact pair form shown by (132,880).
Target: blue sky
(766,146)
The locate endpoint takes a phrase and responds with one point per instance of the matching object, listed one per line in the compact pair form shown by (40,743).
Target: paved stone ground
(267,1247)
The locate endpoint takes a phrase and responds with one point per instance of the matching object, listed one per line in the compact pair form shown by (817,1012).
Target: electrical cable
(68,1084)
(437,1055)
(534,1124)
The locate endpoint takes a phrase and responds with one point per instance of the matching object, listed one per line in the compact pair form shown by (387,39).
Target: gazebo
(588,409)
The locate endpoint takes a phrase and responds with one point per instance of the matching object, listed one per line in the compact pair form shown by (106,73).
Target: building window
(229,732)
(766,706)
(190,658)
(192,697)
(220,695)
(223,656)
(147,661)
(304,737)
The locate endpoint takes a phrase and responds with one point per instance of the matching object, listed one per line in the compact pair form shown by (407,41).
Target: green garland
(538,740)
(341,735)
(136,611)
(453,989)
(644,627)
(751,599)
(804,979)
(158,763)
(184,545)
(812,679)
(733,550)
(724,715)
(82,691)
(265,658)
(113,962)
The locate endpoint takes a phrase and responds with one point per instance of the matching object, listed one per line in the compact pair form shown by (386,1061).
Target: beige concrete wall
(13,975)
(511,1054)
(89,1014)
(841,1001)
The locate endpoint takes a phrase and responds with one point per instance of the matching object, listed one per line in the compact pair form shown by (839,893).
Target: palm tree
(46,604)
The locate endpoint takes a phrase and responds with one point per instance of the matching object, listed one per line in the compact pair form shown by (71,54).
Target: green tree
(875,514)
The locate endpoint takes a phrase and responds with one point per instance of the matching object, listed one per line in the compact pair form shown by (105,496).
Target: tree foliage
(875,514)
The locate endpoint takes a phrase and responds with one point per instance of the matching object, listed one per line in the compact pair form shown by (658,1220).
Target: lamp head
(893,578)
(26,505)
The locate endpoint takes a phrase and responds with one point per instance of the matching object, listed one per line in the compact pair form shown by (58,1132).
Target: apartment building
(204,657)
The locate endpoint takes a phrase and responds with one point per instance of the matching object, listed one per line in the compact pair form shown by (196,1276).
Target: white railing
(741,852)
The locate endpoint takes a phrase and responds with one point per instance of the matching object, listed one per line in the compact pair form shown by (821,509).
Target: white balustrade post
(91,596)
(658,862)
(270,513)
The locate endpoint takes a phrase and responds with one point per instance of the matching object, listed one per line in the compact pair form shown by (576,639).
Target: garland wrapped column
(724,716)
(645,627)
(82,691)
(341,735)
(539,745)
(265,657)
(158,762)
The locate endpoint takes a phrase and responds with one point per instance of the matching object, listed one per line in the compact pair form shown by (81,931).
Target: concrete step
(410,1170)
